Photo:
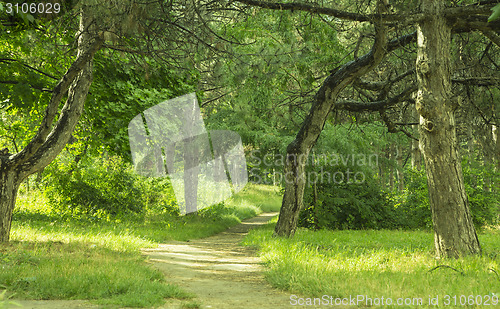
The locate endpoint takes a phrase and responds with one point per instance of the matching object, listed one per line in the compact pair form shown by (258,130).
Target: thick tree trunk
(50,140)
(9,184)
(298,151)
(454,233)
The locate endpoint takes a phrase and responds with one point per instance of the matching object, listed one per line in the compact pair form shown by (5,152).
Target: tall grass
(389,264)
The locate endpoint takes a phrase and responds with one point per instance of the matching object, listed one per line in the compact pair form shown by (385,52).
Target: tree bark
(454,233)
(9,185)
(298,150)
(50,140)
(415,151)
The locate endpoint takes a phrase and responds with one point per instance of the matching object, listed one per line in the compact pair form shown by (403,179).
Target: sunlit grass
(51,257)
(57,270)
(395,264)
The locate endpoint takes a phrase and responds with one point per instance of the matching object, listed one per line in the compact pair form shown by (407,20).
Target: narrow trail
(218,270)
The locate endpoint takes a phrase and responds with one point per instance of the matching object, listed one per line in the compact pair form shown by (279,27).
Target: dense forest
(364,115)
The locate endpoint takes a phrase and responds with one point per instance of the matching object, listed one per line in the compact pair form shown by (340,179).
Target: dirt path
(219,271)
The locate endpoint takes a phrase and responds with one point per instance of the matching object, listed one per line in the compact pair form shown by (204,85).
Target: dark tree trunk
(9,184)
(454,233)
(298,151)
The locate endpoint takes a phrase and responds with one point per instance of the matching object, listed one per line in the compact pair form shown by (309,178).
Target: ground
(218,270)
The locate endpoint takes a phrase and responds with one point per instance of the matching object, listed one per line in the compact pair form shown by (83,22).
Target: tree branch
(58,92)
(478,81)
(377,86)
(295,6)
(495,38)
(7,60)
(15,82)
(356,106)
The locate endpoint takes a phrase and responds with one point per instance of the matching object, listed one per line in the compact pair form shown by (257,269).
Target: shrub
(104,188)
(414,210)
(347,205)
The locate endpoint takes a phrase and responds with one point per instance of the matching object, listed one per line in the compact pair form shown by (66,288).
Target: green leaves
(496,13)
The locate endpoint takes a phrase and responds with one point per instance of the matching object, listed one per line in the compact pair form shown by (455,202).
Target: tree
(50,139)
(454,231)
(434,104)
(162,30)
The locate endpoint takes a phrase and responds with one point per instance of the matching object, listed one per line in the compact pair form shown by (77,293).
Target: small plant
(5,301)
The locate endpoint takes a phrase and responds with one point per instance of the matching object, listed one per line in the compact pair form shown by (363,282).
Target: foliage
(267,85)
(123,88)
(347,205)
(343,191)
(103,188)
(480,179)
(412,206)
(496,13)
(414,210)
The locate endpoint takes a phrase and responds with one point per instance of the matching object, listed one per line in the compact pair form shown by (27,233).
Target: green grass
(53,258)
(394,264)
(76,270)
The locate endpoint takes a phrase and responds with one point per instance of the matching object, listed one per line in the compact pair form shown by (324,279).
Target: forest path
(221,273)
(218,270)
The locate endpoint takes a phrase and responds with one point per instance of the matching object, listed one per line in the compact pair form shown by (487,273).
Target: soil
(218,270)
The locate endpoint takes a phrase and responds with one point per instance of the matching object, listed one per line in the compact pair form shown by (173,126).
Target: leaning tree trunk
(454,233)
(298,151)
(50,139)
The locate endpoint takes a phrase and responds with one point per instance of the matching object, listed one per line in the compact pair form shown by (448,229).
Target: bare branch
(7,60)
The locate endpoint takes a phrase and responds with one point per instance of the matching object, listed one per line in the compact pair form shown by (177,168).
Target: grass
(52,258)
(389,264)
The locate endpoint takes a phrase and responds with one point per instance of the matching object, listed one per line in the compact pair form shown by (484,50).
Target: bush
(414,210)
(347,205)
(103,188)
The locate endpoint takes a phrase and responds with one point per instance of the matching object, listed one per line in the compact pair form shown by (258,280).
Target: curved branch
(8,60)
